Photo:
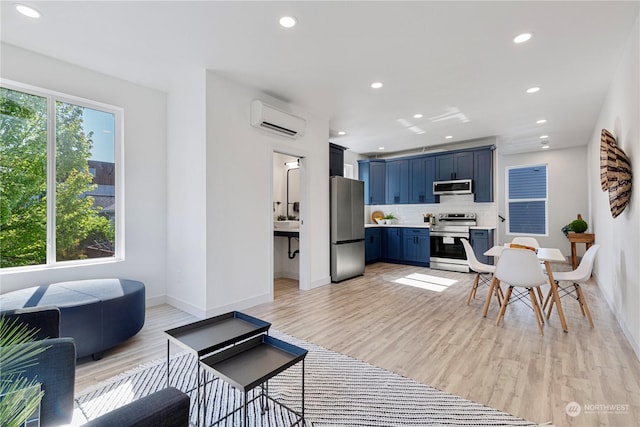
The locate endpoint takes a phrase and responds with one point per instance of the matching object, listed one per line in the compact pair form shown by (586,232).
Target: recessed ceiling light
(541,121)
(380,148)
(545,146)
(288,21)
(533,89)
(342,132)
(448,137)
(27,11)
(521,38)
(544,136)
(417,116)
(376,85)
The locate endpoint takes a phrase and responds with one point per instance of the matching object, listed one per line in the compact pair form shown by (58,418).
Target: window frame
(508,200)
(51,98)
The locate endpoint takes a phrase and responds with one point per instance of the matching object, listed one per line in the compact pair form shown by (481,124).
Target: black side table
(252,363)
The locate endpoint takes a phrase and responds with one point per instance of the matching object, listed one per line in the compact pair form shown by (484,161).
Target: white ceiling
(434,58)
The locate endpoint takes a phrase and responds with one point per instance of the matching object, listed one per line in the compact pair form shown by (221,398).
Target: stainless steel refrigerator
(347,228)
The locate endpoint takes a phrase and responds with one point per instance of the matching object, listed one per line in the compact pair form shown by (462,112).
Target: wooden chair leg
(547,299)
(499,293)
(536,310)
(472,292)
(583,302)
(551,302)
(537,304)
(503,307)
(575,287)
(540,295)
(489,296)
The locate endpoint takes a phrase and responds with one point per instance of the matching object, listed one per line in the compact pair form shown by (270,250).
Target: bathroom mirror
(293,193)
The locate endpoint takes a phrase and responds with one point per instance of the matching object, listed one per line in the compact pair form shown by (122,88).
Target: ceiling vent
(267,117)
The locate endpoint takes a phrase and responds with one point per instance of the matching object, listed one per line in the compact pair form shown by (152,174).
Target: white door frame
(303,267)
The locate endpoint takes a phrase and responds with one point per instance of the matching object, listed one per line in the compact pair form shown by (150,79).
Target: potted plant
(388,218)
(578,225)
(20,397)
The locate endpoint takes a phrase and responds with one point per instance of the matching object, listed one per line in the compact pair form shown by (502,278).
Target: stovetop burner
(461,221)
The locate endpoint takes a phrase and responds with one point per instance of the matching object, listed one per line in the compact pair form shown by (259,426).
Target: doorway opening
(287,211)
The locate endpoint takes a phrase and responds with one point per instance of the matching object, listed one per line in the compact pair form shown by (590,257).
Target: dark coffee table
(210,335)
(252,363)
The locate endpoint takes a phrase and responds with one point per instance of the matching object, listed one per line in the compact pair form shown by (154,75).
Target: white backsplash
(487,215)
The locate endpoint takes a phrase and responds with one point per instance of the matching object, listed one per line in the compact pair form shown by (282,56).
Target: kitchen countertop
(418,225)
(421,225)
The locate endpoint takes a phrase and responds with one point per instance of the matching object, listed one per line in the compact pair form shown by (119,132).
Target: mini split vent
(269,118)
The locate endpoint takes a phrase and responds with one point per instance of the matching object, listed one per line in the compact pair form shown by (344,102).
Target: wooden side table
(586,238)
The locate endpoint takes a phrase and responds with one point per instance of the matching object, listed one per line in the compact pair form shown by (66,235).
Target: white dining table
(547,256)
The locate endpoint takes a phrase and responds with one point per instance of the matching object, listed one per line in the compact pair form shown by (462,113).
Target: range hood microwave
(458,186)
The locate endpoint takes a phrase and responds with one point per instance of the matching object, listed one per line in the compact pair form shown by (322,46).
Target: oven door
(447,251)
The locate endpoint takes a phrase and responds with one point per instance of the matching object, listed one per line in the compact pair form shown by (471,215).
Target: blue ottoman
(98,314)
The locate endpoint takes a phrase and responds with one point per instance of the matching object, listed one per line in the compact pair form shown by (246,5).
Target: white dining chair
(483,272)
(520,268)
(577,277)
(532,242)
(526,241)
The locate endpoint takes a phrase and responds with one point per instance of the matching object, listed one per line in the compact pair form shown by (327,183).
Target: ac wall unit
(267,117)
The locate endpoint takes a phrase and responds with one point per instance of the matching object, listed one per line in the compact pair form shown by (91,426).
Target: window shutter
(527,199)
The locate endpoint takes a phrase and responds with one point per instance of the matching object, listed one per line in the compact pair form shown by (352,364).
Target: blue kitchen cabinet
(373,172)
(416,246)
(482,240)
(454,166)
(397,181)
(372,244)
(336,160)
(392,244)
(483,175)
(421,177)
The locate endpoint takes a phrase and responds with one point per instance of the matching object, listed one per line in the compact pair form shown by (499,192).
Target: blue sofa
(98,314)
(55,371)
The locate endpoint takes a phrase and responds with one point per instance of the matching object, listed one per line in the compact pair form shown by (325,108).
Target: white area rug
(339,391)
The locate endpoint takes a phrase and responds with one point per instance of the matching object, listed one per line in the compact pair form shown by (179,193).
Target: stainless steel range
(447,251)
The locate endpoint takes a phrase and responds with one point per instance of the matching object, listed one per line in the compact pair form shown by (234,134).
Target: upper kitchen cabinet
(483,175)
(336,160)
(374,174)
(422,172)
(397,181)
(454,166)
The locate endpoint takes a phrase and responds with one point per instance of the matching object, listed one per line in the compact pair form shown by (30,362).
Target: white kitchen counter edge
(477,227)
(396,225)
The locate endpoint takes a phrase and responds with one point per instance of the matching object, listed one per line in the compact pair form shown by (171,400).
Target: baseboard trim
(186,307)
(317,283)
(153,301)
(239,305)
(635,346)
(287,275)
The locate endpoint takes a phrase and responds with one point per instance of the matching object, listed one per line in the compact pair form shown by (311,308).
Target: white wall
(567,196)
(617,267)
(186,202)
(145,177)
(239,234)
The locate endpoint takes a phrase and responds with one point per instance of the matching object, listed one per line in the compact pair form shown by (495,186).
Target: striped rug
(339,391)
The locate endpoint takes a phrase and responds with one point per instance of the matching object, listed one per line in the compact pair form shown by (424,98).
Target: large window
(58,181)
(527,200)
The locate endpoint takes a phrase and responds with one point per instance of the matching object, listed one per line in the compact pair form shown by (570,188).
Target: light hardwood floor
(435,338)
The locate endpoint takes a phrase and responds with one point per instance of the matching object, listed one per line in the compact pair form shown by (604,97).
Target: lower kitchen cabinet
(416,246)
(401,245)
(372,244)
(392,244)
(481,241)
